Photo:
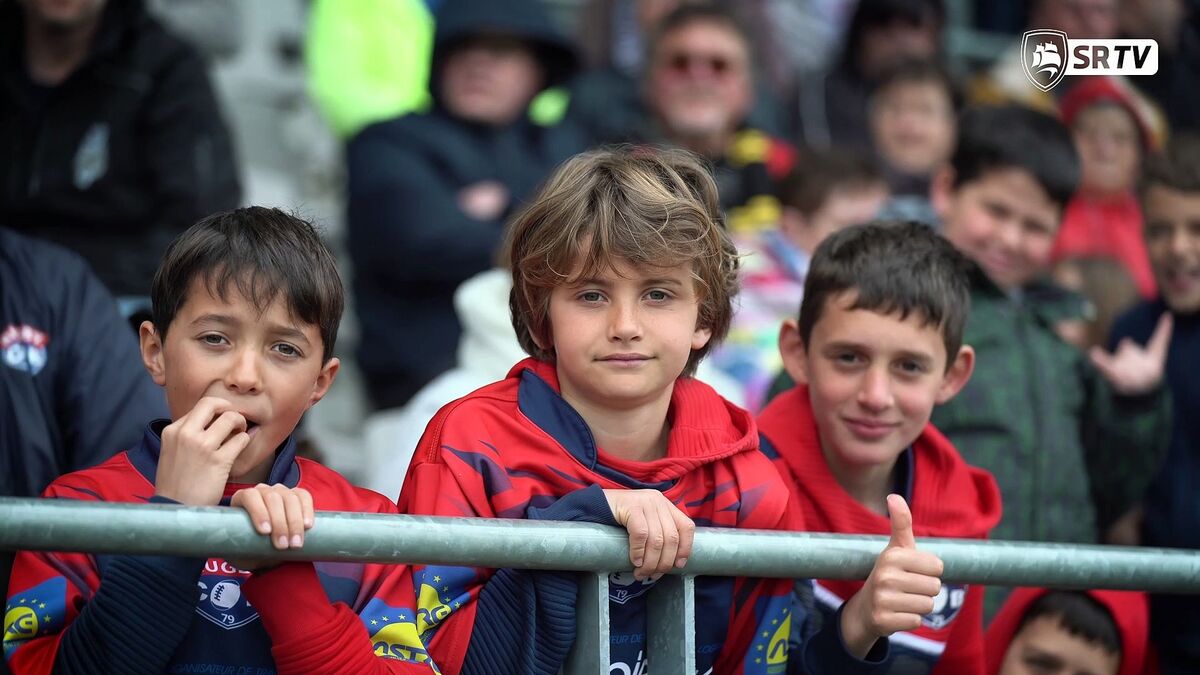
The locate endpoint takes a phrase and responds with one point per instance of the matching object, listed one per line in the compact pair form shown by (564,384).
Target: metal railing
(64,525)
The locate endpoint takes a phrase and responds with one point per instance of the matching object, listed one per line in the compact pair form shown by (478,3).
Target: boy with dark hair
(1170,196)
(825,193)
(246,306)
(1072,442)
(1041,632)
(878,343)
(622,280)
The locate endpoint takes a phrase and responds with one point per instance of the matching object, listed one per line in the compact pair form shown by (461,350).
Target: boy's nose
(244,375)
(624,322)
(876,391)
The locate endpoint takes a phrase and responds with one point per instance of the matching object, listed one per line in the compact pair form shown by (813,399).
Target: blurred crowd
(812,114)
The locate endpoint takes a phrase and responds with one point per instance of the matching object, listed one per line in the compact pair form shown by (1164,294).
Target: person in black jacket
(110,134)
(429,192)
(73,391)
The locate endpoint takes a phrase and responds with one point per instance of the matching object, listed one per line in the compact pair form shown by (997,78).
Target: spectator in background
(1109,123)
(699,90)
(826,193)
(429,193)
(833,107)
(1170,196)
(913,118)
(1072,442)
(73,391)
(1039,632)
(1175,26)
(111,136)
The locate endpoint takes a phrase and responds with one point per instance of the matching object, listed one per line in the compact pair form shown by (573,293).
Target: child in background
(623,276)
(246,306)
(827,192)
(1041,632)
(877,344)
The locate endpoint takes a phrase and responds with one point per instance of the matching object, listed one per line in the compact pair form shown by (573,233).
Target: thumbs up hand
(899,591)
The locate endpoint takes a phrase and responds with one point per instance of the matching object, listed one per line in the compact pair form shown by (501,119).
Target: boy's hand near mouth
(198,452)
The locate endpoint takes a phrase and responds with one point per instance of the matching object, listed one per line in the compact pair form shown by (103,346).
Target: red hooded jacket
(948,498)
(1128,609)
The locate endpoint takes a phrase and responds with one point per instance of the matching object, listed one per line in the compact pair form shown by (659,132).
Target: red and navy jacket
(516,449)
(948,498)
(80,613)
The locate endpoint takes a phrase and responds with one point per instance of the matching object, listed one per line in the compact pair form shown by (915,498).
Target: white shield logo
(1044,57)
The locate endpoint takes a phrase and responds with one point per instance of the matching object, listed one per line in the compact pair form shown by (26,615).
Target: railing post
(671,626)
(590,654)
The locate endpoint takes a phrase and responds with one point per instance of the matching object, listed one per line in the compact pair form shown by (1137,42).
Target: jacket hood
(704,427)
(1128,609)
(528,20)
(117,18)
(948,497)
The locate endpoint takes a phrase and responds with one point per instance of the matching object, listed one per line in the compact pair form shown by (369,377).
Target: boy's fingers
(197,419)
(902,534)
(654,544)
(278,515)
(226,424)
(234,445)
(294,513)
(306,507)
(687,534)
(1103,361)
(670,534)
(1160,341)
(252,501)
(638,533)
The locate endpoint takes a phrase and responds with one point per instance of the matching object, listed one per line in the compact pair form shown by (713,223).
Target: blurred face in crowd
(490,80)
(884,45)
(872,378)
(64,14)
(1044,647)
(699,81)
(845,206)
(1172,234)
(1079,19)
(1109,146)
(1004,221)
(913,126)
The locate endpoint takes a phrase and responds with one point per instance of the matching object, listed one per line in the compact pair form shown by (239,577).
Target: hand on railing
(660,535)
(278,512)
(899,591)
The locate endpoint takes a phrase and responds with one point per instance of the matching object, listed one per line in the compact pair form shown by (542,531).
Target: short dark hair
(688,13)
(920,71)
(265,253)
(808,185)
(1013,137)
(1177,167)
(1080,615)
(874,13)
(891,266)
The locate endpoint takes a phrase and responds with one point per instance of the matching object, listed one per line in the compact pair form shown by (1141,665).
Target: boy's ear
(941,191)
(152,352)
(793,351)
(957,375)
(324,380)
(700,337)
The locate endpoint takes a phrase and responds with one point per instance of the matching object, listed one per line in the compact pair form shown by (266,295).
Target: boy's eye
(287,350)
(911,367)
(847,358)
(658,295)
(212,339)
(591,296)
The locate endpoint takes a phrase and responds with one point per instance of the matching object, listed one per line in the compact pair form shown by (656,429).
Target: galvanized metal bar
(590,654)
(671,626)
(174,530)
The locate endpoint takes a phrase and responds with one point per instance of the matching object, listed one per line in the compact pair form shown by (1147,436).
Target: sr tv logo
(1049,56)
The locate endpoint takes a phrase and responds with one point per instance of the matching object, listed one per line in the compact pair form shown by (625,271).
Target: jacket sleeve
(1126,439)
(310,635)
(106,396)
(964,646)
(405,225)
(189,153)
(479,620)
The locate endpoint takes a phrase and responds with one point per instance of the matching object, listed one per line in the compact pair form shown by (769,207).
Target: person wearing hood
(111,135)
(1044,632)
(428,193)
(877,344)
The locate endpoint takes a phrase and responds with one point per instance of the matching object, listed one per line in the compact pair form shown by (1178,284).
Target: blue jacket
(1173,500)
(410,242)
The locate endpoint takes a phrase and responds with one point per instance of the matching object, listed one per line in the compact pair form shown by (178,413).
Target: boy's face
(1004,221)
(1044,647)
(621,339)
(843,207)
(872,378)
(268,366)
(913,126)
(1173,243)
(1110,149)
